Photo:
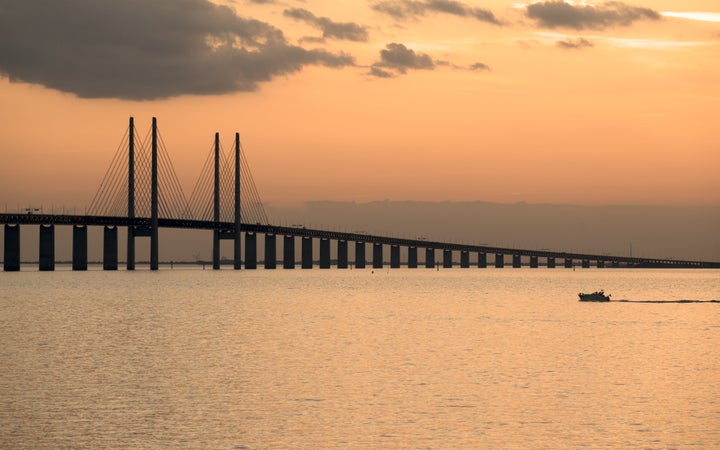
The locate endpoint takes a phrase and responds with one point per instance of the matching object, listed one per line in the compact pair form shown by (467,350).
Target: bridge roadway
(228,227)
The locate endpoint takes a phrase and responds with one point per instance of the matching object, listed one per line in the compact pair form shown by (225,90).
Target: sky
(587,103)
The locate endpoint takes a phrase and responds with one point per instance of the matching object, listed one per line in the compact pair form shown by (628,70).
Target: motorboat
(597,296)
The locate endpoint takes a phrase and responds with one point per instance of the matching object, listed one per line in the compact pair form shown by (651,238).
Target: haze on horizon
(587,103)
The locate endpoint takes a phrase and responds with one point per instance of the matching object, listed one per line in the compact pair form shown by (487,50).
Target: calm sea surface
(474,358)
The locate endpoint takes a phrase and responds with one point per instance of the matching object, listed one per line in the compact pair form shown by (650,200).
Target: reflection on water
(495,358)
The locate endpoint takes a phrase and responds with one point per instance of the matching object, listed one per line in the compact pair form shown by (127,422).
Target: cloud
(557,13)
(335,30)
(137,49)
(479,66)
(574,44)
(412,9)
(399,58)
(380,73)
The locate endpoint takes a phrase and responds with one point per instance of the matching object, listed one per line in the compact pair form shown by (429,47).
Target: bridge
(225,201)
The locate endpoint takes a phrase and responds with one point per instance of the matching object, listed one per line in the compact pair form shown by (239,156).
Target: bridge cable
(106,182)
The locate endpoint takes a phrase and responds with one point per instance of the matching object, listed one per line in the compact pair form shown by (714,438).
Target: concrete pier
(342,255)
(551,262)
(79,247)
(534,262)
(377,256)
(47,248)
(324,253)
(482,260)
(464,259)
(429,258)
(516,261)
(11,260)
(270,251)
(600,264)
(395,256)
(447,259)
(307,256)
(412,258)
(110,248)
(288,252)
(250,251)
(360,255)
(586,263)
(499,260)
(568,263)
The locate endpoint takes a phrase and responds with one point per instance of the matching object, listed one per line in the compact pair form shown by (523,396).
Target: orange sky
(628,115)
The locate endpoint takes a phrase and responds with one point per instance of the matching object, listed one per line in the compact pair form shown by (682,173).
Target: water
(475,358)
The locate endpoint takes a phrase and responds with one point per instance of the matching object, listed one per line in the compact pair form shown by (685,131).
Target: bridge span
(233,211)
(483,256)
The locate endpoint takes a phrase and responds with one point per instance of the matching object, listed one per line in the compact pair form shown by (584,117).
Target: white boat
(598,296)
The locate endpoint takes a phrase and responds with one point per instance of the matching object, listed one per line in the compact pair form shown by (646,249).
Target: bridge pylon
(235,233)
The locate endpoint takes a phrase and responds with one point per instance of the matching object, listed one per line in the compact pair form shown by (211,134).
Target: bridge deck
(47,219)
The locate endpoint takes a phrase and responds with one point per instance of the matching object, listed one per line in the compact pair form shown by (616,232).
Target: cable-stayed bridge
(141,191)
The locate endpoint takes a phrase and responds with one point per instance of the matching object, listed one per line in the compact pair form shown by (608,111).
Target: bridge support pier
(359,255)
(270,251)
(288,252)
(568,263)
(550,262)
(79,251)
(342,255)
(395,256)
(499,260)
(464,259)
(534,262)
(377,256)
(11,260)
(110,248)
(586,263)
(216,250)
(429,258)
(447,259)
(250,251)
(517,261)
(412,258)
(600,264)
(324,253)
(482,260)
(47,247)
(130,263)
(307,256)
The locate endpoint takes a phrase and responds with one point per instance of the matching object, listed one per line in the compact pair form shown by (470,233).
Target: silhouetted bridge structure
(163,205)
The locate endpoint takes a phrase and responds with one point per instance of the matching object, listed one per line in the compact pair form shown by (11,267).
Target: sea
(372,358)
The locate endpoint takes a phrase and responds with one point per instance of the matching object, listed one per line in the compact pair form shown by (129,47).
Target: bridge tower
(238,218)
(133,229)
(234,234)
(131,197)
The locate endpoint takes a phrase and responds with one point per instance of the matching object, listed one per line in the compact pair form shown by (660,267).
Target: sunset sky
(501,101)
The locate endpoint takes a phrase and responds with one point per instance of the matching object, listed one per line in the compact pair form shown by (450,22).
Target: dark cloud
(574,44)
(399,58)
(557,13)
(479,66)
(335,30)
(138,49)
(412,9)
(380,73)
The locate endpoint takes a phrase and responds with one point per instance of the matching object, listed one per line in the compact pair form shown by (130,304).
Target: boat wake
(666,301)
